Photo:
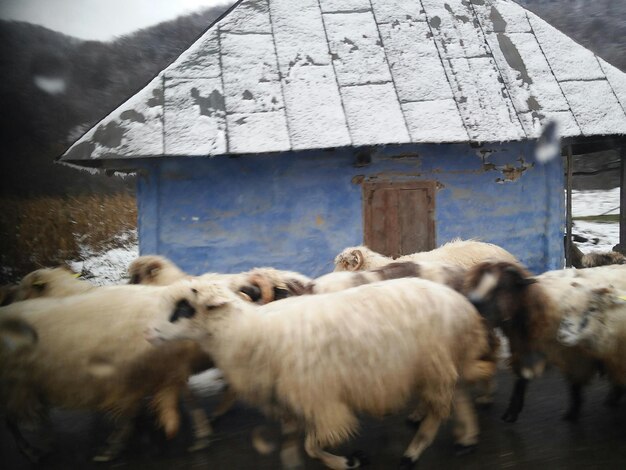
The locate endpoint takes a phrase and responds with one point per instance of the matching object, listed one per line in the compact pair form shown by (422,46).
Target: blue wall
(297,211)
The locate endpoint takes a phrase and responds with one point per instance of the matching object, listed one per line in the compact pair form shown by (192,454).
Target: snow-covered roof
(280,75)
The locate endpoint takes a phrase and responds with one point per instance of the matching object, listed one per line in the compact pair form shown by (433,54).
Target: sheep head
(197,310)
(154,270)
(497,289)
(350,259)
(38,283)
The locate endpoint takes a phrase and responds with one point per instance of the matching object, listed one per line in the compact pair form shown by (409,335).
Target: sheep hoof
(509,417)
(460,449)
(406,464)
(358,459)
(199,444)
(104,456)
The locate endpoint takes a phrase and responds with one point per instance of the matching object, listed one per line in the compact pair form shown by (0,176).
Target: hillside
(54,87)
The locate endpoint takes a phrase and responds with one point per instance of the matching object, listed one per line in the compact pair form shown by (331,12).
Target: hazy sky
(99,19)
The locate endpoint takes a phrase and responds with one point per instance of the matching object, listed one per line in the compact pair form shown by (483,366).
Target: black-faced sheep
(529,311)
(92,354)
(316,361)
(463,253)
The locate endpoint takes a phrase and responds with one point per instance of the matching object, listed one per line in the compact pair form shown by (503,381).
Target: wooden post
(621,247)
(568,209)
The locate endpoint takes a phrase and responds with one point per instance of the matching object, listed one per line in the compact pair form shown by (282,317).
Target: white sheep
(529,311)
(50,282)
(463,253)
(92,354)
(154,270)
(443,273)
(613,275)
(316,361)
(600,330)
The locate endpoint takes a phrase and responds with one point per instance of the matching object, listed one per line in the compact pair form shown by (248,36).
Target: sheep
(601,331)
(91,354)
(316,361)
(50,282)
(529,311)
(262,285)
(464,253)
(444,273)
(610,275)
(154,270)
(597,258)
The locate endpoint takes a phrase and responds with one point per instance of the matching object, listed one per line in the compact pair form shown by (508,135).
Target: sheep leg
(516,402)
(465,423)
(330,425)
(576,401)
(226,403)
(336,462)
(202,429)
(487,389)
(423,438)
(290,451)
(116,441)
(417,415)
(165,404)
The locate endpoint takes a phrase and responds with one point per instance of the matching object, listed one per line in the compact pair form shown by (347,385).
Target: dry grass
(46,231)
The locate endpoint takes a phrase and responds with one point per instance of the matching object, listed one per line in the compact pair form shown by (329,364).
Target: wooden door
(399,217)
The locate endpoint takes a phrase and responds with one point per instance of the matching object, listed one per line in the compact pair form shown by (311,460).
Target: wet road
(540,439)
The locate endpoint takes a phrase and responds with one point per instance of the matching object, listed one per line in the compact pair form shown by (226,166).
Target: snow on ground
(602,236)
(108,267)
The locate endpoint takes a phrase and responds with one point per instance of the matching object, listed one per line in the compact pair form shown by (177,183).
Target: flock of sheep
(376,336)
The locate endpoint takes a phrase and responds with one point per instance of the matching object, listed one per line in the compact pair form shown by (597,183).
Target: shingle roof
(279,75)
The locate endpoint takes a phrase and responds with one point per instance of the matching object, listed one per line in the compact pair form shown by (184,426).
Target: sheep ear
(217,302)
(526,281)
(357,260)
(520,280)
(153,269)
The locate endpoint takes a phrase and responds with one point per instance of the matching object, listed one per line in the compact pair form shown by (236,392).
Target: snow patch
(107,267)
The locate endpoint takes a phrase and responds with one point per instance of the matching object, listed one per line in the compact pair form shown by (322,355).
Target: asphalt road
(540,439)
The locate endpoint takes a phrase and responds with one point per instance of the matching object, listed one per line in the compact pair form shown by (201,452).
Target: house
(290,130)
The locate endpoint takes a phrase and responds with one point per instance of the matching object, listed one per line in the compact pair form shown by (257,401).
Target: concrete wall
(297,211)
